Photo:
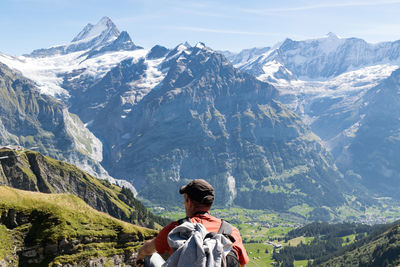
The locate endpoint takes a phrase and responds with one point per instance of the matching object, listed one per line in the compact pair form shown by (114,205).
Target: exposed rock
(209,120)
(34,172)
(34,230)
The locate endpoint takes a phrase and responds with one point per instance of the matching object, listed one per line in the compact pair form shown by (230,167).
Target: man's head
(200,193)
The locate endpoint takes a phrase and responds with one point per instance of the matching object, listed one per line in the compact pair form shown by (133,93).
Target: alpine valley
(309,124)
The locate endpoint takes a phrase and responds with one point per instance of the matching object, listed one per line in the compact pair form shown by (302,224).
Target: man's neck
(198,211)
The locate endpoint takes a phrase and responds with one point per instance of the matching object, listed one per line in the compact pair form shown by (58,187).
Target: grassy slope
(64,216)
(382,250)
(58,174)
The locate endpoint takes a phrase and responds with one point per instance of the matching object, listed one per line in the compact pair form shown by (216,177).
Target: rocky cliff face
(35,172)
(209,120)
(61,230)
(31,119)
(374,149)
(346,90)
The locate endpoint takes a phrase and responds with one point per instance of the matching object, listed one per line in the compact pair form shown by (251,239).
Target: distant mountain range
(346,90)
(162,116)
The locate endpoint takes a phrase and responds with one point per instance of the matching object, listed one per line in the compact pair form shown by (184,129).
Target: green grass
(296,241)
(93,250)
(300,263)
(89,180)
(289,173)
(5,241)
(69,216)
(54,217)
(301,209)
(257,255)
(381,249)
(351,239)
(175,213)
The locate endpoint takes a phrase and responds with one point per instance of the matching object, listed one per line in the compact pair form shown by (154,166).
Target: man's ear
(191,202)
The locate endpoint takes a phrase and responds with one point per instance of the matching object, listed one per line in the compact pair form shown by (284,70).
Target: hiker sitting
(198,198)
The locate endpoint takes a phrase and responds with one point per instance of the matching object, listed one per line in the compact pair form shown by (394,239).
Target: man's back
(198,199)
(212,224)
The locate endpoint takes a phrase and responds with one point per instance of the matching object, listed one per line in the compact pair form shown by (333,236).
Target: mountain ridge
(237,133)
(203,82)
(92,37)
(28,170)
(39,229)
(336,97)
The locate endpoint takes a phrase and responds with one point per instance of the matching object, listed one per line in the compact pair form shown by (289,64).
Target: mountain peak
(200,45)
(104,27)
(331,35)
(103,36)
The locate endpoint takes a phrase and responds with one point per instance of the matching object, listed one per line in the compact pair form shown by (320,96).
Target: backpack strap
(232,259)
(186,219)
(226,230)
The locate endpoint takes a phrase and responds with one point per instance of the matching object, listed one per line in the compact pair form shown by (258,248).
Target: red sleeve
(239,248)
(161,241)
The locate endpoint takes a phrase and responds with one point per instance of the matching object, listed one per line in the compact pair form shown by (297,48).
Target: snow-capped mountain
(374,150)
(102,36)
(329,81)
(244,55)
(169,115)
(94,51)
(207,119)
(322,58)
(325,76)
(104,31)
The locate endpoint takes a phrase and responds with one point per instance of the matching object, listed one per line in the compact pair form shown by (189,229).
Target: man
(198,198)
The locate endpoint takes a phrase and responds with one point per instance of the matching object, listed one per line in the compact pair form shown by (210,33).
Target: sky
(232,25)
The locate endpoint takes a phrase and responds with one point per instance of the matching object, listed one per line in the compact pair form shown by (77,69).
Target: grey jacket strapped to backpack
(194,246)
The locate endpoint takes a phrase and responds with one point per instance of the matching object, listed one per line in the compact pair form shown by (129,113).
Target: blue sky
(233,25)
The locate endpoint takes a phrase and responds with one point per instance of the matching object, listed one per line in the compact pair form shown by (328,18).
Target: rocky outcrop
(31,119)
(43,235)
(34,172)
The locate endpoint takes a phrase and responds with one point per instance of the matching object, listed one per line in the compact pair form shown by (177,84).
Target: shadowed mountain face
(31,119)
(374,151)
(347,90)
(209,120)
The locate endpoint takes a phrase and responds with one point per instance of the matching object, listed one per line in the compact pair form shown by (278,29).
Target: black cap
(199,190)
